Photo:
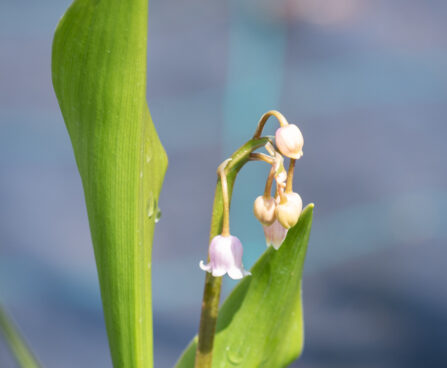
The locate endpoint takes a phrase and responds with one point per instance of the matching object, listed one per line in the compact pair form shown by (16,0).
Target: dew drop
(234,357)
(157,215)
(148,158)
(151,207)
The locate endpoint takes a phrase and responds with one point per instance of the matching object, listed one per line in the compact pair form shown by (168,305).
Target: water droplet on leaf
(151,207)
(234,357)
(157,215)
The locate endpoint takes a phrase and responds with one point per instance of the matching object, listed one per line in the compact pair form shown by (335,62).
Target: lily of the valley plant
(99,75)
(277,214)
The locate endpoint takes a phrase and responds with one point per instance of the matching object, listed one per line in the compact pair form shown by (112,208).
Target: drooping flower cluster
(279,214)
(276,214)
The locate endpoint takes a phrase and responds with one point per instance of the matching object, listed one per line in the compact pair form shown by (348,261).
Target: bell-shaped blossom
(275,234)
(290,141)
(288,212)
(264,209)
(225,257)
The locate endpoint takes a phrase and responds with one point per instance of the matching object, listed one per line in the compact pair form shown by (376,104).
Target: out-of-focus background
(365,80)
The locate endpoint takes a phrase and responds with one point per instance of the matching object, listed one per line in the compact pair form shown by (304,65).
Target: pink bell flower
(264,209)
(289,212)
(275,234)
(289,141)
(225,257)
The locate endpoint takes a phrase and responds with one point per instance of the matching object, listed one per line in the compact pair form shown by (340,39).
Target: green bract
(99,76)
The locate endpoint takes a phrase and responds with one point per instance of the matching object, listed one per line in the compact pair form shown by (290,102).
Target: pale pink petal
(218,272)
(225,257)
(235,273)
(289,141)
(205,267)
(275,234)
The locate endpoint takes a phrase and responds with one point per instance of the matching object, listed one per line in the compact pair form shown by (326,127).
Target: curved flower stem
(281,119)
(271,149)
(282,196)
(268,183)
(270,160)
(262,157)
(226,202)
(289,182)
(213,285)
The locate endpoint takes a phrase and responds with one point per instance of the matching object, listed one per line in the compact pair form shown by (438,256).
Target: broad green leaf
(99,76)
(22,353)
(261,323)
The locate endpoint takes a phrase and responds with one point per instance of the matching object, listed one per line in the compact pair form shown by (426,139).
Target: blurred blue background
(366,82)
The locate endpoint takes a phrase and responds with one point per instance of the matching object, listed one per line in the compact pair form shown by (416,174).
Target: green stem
(289,182)
(17,344)
(213,285)
(262,157)
(280,117)
(268,183)
(221,171)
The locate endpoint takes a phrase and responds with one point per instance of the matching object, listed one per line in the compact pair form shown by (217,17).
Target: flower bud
(264,209)
(289,141)
(289,212)
(275,234)
(225,257)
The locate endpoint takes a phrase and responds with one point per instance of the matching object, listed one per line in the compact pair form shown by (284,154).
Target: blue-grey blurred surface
(365,80)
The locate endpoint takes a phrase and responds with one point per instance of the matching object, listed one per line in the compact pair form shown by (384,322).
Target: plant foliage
(99,76)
